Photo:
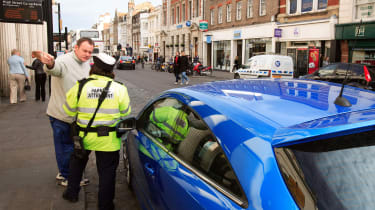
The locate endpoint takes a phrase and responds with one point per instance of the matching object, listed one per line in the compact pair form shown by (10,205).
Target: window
(174,127)
(364,8)
(307,5)
(238,10)
(220,15)
(190,9)
(212,16)
(196,8)
(165,18)
(301,6)
(183,12)
(229,12)
(262,8)
(249,8)
(173,21)
(178,15)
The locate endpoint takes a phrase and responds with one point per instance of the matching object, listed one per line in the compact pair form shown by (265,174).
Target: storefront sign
(313,60)
(21,11)
(360,31)
(208,39)
(237,34)
(188,23)
(203,25)
(296,32)
(277,32)
(179,26)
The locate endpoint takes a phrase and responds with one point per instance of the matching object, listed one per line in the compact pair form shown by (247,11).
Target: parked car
(336,72)
(253,144)
(270,66)
(126,62)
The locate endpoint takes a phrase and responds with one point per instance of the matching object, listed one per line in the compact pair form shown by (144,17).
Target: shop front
(308,43)
(357,42)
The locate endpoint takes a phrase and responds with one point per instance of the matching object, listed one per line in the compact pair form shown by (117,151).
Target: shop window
(262,9)
(229,12)
(220,15)
(322,4)
(307,5)
(238,10)
(301,6)
(212,17)
(249,8)
(222,55)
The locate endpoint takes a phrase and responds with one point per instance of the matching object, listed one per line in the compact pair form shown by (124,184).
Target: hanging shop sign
(237,34)
(21,11)
(188,23)
(203,25)
(278,32)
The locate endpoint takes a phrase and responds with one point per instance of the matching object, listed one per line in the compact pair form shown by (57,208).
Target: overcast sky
(81,14)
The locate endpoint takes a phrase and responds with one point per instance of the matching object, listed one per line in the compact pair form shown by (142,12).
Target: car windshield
(338,172)
(126,58)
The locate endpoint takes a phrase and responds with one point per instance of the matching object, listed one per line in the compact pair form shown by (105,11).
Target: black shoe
(69,197)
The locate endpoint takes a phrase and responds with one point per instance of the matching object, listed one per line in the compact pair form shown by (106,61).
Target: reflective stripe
(173,130)
(101,110)
(85,122)
(125,111)
(154,117)
(69,108)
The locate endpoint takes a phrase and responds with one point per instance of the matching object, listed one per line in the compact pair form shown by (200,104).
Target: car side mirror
(125,125)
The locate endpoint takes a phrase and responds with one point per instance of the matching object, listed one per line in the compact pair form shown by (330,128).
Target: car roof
(286,107)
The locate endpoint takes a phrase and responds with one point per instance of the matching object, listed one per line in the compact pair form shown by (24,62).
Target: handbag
(27,85)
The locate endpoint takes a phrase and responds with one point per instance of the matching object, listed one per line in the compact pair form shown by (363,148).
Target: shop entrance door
(239,51)
(209,47)
(300,60)
(195,46)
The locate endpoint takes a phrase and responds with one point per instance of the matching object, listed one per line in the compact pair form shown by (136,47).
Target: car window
(327,70)
(126,58)
(186,136)
(335,173)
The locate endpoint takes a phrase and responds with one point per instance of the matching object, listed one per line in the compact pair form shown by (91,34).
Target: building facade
(180,28)
(238,30)
(356,32)
(154,29)
(306,32)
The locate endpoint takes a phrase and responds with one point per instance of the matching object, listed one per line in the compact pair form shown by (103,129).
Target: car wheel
(236,76)
(127,168)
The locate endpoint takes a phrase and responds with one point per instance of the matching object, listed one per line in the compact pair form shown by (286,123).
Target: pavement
(27,158)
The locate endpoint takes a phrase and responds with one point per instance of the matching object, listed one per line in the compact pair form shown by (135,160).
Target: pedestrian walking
(17,76)
(176,69)
(40,78)
(236,64)
(66,70)
(111,102)
(183,65)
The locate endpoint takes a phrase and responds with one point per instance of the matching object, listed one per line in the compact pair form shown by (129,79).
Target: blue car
(253,144)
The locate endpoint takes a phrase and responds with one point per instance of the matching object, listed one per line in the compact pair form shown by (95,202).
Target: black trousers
(40,83)
(106,163)
(176,74)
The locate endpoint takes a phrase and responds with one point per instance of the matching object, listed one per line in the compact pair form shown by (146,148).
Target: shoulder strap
(119,82)
(82,82)
(102,96)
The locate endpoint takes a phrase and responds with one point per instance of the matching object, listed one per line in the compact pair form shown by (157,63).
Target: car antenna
(340,100)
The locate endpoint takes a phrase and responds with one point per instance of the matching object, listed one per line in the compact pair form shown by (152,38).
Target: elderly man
(66,70)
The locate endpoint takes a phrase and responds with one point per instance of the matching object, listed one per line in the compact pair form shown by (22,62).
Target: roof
(282,104)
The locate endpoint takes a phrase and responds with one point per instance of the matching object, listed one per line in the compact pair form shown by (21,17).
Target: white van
(272,66)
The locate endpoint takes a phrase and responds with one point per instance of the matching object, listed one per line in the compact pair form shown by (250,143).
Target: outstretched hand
(45,58)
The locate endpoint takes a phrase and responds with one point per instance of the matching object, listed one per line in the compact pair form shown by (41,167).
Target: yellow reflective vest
(114,107)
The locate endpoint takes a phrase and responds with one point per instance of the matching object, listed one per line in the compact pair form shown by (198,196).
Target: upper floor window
(178,14)
(173,21)
(364,9)
(229,12)
(196,8)
(262,8)
(183,12)
(301,6)
(249,8)
(190,9)
(238,10)
(220,15)
(212,16)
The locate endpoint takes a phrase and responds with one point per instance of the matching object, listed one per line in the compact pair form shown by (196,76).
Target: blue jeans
(184,77)
(63,145)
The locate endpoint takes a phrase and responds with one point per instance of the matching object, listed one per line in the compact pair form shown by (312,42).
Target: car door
(192,173)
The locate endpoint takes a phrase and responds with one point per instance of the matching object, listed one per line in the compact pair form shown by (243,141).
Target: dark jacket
(183,63)
(176,64)
(37,66)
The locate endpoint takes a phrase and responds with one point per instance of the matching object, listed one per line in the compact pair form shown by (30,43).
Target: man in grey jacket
(66,70)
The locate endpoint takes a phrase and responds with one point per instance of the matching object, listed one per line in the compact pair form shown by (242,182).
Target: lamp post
(58,11)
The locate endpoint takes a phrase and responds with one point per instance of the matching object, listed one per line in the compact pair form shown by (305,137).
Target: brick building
(180,27)
(307,32)
(242,28)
